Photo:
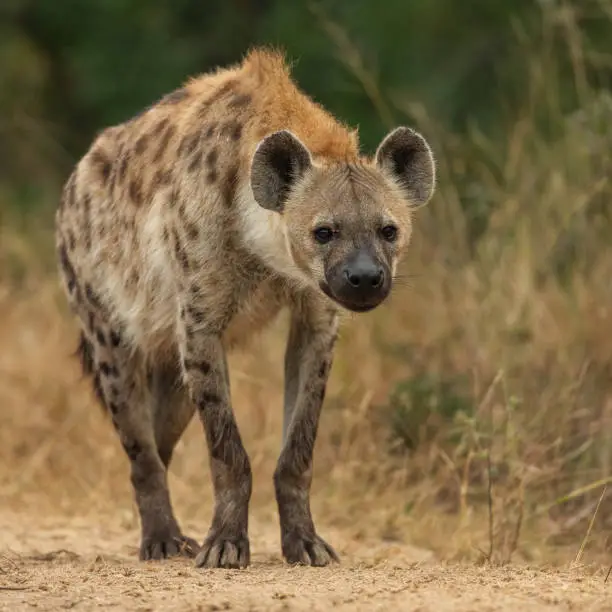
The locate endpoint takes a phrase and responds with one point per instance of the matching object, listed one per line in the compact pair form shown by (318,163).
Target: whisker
(403,281)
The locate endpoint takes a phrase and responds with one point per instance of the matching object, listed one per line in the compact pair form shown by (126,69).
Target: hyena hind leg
(121,383)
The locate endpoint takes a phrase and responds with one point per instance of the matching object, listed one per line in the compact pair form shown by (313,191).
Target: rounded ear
(407,156)
(279,161)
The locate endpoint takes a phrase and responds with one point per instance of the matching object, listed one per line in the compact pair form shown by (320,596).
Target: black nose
(360,282)
(365,277)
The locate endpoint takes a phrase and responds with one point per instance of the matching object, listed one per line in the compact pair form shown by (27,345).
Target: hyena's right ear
(279,161)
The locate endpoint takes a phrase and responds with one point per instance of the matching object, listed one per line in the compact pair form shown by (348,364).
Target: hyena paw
(162,546)
(221,550)
(308,550)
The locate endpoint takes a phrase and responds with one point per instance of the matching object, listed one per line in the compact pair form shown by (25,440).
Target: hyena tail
(85,354)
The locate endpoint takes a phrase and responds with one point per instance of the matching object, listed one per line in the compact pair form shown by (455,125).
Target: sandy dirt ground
(84,564)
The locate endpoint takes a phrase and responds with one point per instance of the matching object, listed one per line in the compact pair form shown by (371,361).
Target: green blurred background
(71,67)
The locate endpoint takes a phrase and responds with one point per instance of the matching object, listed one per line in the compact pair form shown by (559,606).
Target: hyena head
(346,224)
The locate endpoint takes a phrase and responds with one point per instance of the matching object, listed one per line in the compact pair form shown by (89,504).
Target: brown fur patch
(195,162)
(135,191)
(141,144)
(102,163)
(229,185)
(165,141)
(219,94)
(233,129)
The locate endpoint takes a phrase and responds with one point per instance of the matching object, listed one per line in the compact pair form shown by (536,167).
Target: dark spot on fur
(175,97)
(93,299)
(115,338)
(233,129)
(240,100)
(97,387)
(132,448)
(216,96)
(69,272)
(180,253)
(322,394)
(100,337)
(189,144)
(195,163)
(85,351)
(207,399)
(123,167)
(133,278)
(229,185)
(149,377)
(211,158)
(141,144)
(108,369)
(158,129)
(166,235)
(102,163)
(323,369)
(86,203)
(165,141)
(91,322)
(163,176)
(200,366)
(184,260)
(197,316)
(212,177)
(193,233)
(236,133)
(210,131)
(135,191)
(174,196)
(113,407)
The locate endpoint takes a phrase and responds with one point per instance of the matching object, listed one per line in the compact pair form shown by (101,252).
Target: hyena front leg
(205,370)
(307,364)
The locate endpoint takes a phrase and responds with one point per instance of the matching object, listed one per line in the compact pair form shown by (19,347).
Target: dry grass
(483,389)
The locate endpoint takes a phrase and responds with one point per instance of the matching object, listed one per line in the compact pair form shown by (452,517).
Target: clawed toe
(225,552)
(155,548)
(308,550)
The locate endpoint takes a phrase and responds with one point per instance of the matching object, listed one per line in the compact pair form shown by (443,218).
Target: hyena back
(186,229)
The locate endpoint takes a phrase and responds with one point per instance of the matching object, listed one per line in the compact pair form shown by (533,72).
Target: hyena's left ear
(279,161)
(407,156)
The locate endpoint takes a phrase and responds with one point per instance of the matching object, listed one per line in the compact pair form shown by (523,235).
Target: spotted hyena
(186,229)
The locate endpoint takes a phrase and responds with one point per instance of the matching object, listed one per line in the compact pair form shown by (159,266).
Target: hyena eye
(323,234)
(389,233)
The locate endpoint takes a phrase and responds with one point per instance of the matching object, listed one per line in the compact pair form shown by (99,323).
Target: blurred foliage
(69,68)
(424,405)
